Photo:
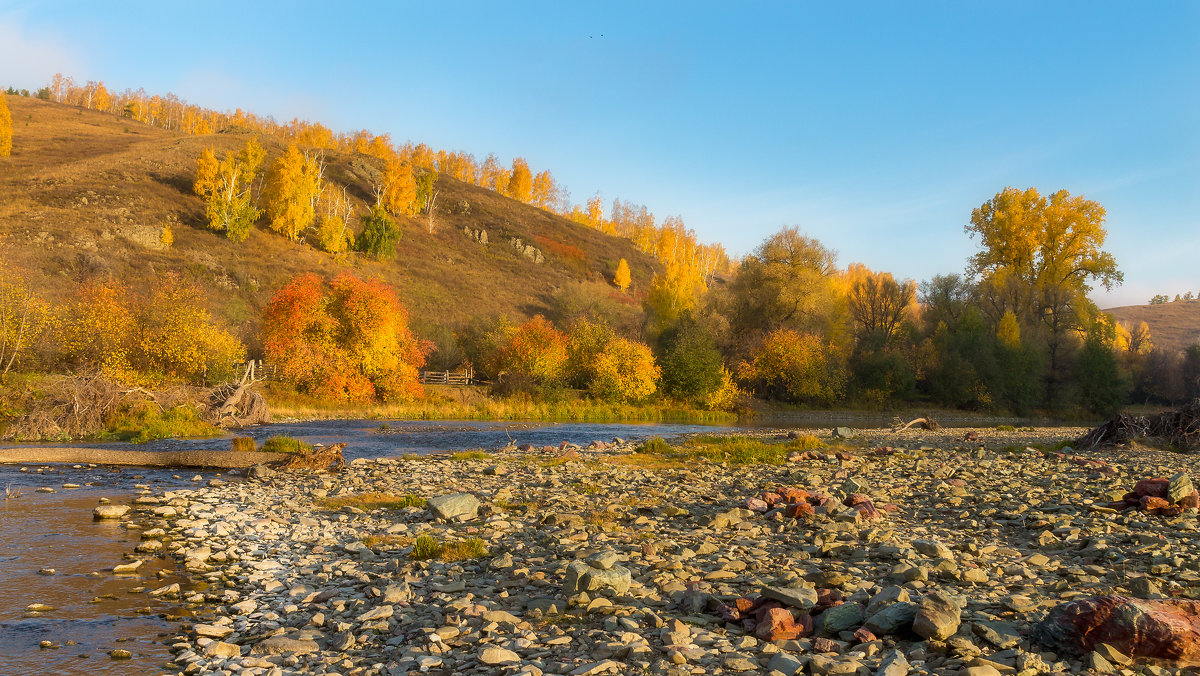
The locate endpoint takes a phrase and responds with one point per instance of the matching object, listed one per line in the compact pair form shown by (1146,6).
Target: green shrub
(242,445)
(380,234)
(426,547)
(145,422)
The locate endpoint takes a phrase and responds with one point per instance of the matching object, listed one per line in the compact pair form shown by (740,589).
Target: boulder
(937,617)
(454,507)
(582,577)
(1166,629)
(109,511)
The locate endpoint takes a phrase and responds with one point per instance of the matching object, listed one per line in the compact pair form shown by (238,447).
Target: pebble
(598,566)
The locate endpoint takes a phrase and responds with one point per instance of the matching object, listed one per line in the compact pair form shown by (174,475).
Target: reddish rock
(827,598)
(1171,510)
(1155,488)
(798,510)
(825,645)
(1190,501)
(864,635)
(1150,503)
(790,494)
(772,498)
(1165,629)
(756,505)
(864,505)
(971,436)
(778,625)
(957,483)
(844,456)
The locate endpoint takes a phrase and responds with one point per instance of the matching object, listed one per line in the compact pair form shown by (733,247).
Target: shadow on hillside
(180,183)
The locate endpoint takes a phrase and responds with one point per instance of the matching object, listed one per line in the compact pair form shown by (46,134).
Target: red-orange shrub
(346,340)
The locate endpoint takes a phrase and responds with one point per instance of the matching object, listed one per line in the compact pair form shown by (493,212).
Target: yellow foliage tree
(545,192)
(797,367)
(291,192)
(398,190)
(24,318)
(625,371)
(6,128)
(98,330)
(178,339)
(227,189)
(520,181)
(1008,331)
(622,278)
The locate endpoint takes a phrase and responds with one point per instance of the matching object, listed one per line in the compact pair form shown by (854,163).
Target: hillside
(89,193)
(1173,326)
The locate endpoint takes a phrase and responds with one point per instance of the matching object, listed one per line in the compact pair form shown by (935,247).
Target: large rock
(892,619)
(937,618)
(282,645)
(109,511)
(1167,629)
(778,625)
(582,577)
(1180,487)
(454,507)
(803,598)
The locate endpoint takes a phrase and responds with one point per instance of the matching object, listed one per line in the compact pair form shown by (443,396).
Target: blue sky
(874,126)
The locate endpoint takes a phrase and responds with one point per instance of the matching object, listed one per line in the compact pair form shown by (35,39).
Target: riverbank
(591,560)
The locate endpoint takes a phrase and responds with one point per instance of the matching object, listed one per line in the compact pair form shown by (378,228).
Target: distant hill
(87,192)
(1173,326)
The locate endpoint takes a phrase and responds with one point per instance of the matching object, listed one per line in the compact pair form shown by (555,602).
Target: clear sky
(874,126)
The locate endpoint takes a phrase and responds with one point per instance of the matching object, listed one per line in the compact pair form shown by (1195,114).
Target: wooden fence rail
(447,377)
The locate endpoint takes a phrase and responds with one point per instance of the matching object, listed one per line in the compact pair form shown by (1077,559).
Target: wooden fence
(447,377)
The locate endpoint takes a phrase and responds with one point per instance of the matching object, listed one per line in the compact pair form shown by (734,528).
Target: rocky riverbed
(916,553)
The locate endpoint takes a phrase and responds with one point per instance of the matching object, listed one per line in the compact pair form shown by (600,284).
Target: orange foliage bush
(347,340)
(535,350)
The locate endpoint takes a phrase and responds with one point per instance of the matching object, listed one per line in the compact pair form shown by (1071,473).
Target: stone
(843,433)
(893,663)
(1000,634)
(785,664)
(397,593)
(454,507)
(582,577)
(933,549)
(282,645)
(778,625)
(1179,487)
(109,512)
(492,656)
(892,618)
(213,630)
(844,617)
(820,665)
(120,654)
(222,650)
(604,560)
(1144,588)
(127,568)
(937,618)
(886,597)
(1166,629)
(803,598)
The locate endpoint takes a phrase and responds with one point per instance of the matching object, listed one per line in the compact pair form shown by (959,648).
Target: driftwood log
(1178,428)
(237,404)
(112,456)
(925,423)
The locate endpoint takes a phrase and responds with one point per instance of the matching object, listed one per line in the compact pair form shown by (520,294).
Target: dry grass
(135,176)
(374,500)
(428,547)
(386,541)
(734,450)
(1173,326)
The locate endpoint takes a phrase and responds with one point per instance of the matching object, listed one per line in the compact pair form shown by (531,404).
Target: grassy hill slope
(88,193)
(1173,326)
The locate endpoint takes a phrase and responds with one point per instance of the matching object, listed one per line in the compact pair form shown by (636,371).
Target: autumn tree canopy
(346,340)
(227,188)
(292,190)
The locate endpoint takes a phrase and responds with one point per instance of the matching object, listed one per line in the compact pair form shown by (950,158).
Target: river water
(97,612)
